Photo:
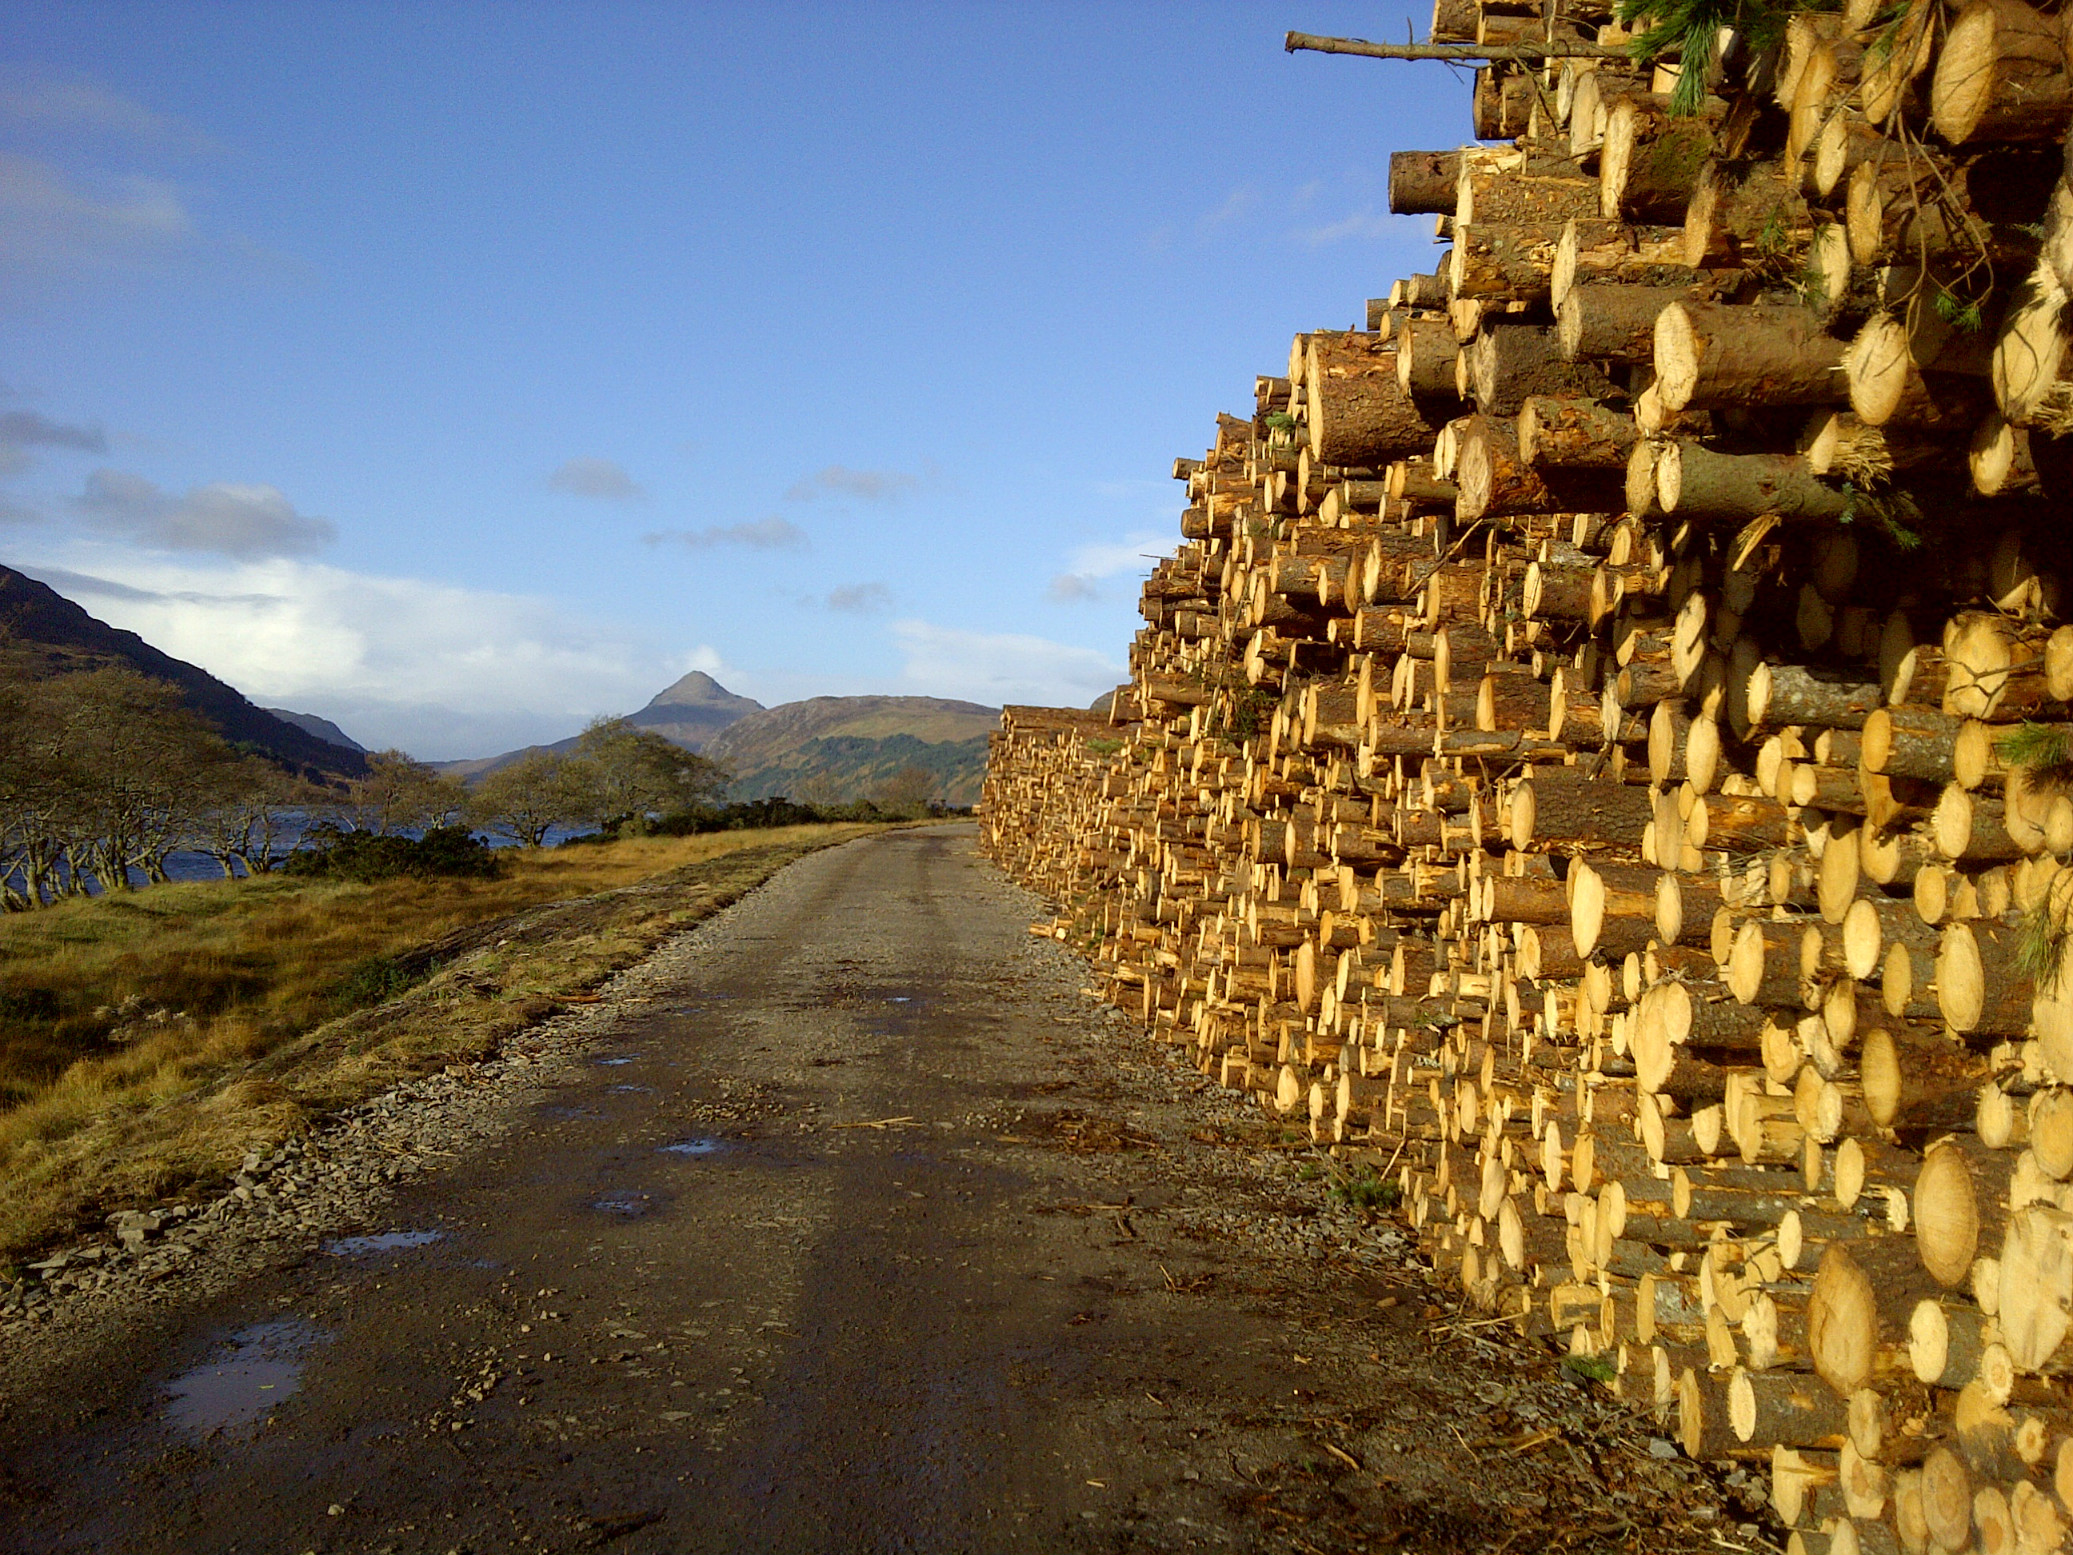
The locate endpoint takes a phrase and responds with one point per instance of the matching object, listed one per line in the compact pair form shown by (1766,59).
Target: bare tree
(401,793)
(35,781)
(242,823)
(907,790)
(527,798)
(821,790)
(139,760)
(106,772)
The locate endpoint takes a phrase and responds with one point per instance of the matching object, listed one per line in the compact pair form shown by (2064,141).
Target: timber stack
(1602,752)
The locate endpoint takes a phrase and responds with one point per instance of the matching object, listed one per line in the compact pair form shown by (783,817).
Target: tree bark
(1602,322)
(1359,414)
(1561,432)
(1693,481)
(2001,75)
(1758,354)
(1423,183)
(1425,355)
(1511,363)
(1651,158)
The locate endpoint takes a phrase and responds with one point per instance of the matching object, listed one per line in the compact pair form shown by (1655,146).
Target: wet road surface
(858,1229)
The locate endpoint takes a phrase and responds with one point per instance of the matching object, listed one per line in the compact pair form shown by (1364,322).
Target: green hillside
(842,767)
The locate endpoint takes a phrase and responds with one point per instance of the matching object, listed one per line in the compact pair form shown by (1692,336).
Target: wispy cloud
(27,429)
(230,519)
(1237,206)
(997,668)
(862,485)
(1133,553)
(1365,224)
(1134,486)
(1072,588)
(765,534)
(51,220)
(860,598)
(81,106)
(74,585)
(603,478)
(22,430)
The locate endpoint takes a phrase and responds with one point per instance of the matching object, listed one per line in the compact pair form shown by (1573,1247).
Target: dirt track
(850,1225)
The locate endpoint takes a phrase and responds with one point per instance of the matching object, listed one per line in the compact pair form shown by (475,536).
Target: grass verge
(147,1042)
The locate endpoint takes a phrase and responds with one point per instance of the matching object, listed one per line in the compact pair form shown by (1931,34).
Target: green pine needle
(1688,28)
(2040,951)
(2035,745)
(1893,514)
(2044,752)
(1956,311)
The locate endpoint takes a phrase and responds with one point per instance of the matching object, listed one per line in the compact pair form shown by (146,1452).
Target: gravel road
(845,1223)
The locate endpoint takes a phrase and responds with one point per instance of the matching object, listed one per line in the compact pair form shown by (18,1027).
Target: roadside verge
(478,986)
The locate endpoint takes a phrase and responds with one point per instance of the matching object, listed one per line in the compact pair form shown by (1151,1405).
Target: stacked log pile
(1601,752)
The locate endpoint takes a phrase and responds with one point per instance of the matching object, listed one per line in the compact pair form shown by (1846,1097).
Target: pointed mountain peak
(698,689)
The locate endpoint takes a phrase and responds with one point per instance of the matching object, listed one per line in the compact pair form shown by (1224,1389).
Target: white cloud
(440,671)
(997,668)
(1134,553)
(50,221)
(704,657)
(1361,224)
(863,485)
(1070,588)
(228,518)
(860,598)
(765,534)
(596,478)
(80,105)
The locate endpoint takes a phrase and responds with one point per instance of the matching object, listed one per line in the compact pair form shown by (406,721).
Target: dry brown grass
(254,1006)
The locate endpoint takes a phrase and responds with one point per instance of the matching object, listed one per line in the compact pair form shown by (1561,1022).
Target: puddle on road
(565,1114)
(614,1062)
(695,1147)
(627,1205)
(255,1369)
(381,1242)
(631,1090)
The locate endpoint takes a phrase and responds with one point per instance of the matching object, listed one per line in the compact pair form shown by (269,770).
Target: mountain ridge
(840,748)
(821,749)
(323,728)
(59,637)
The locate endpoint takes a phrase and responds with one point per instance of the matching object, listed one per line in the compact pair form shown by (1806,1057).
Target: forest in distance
(107,778)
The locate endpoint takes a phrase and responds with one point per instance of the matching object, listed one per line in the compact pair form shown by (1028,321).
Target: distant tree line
(104,774)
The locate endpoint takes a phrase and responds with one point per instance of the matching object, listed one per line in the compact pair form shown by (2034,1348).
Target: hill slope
(323,728)
(845,747)
(826,749)
(53,637)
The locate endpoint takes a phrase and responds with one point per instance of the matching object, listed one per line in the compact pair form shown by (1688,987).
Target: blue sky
(459,372)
